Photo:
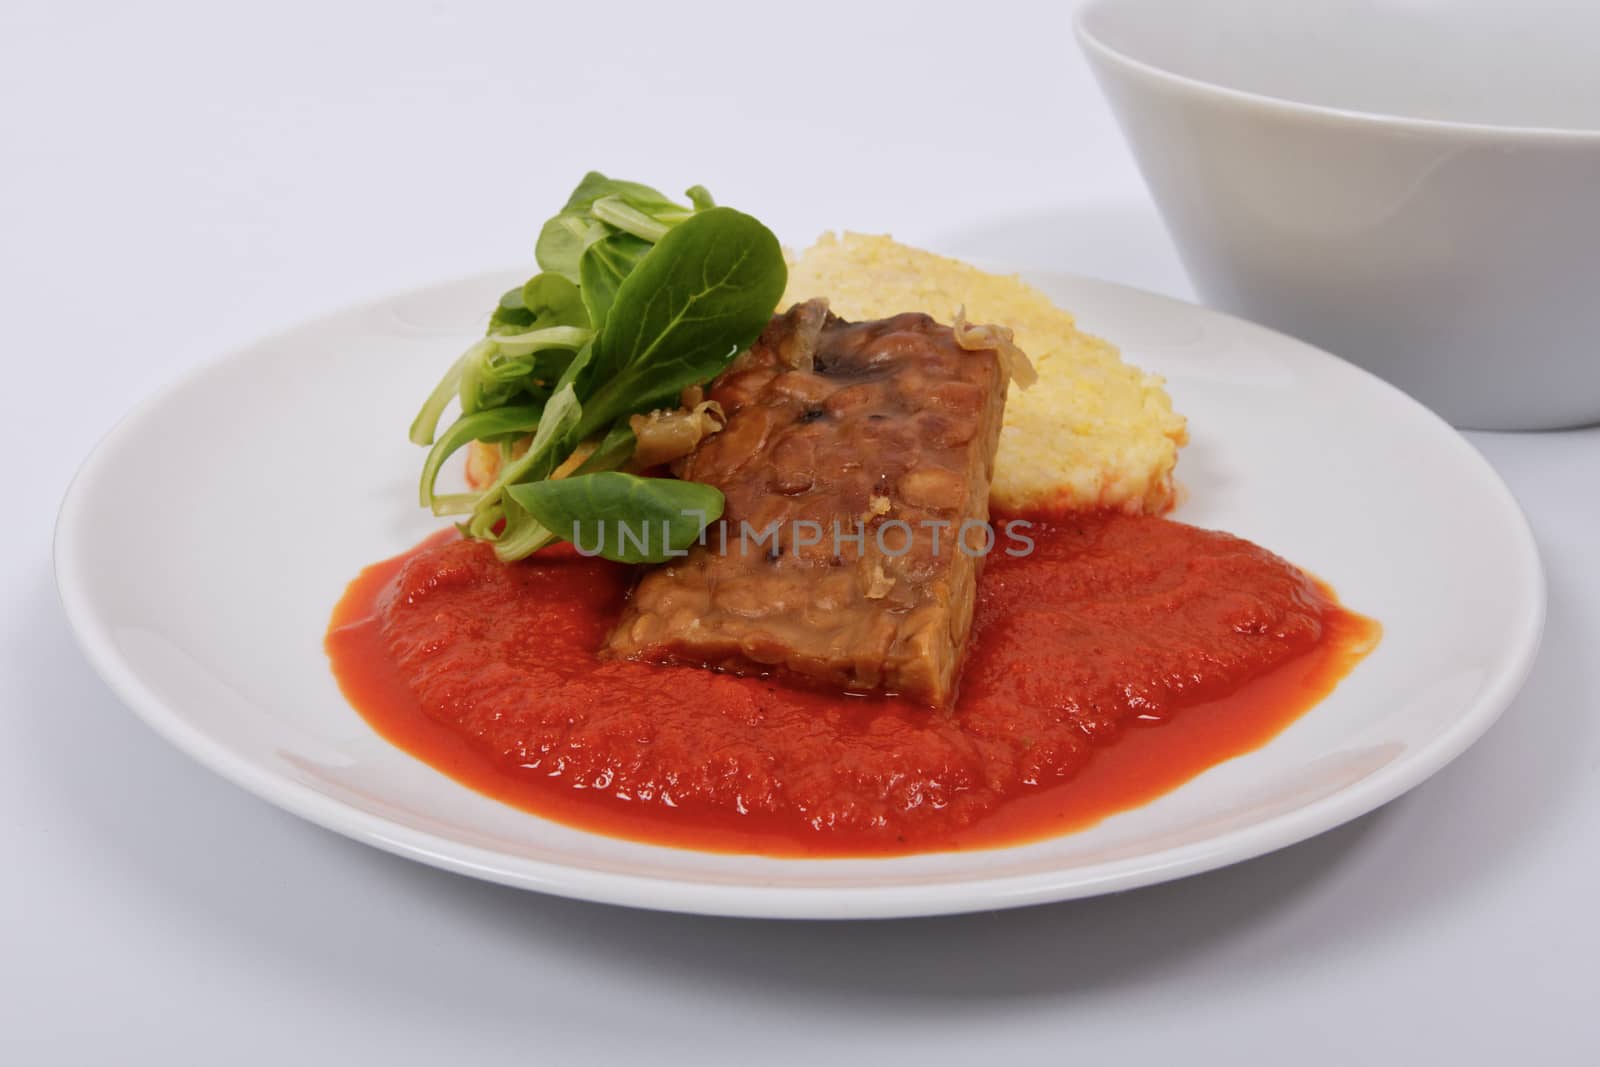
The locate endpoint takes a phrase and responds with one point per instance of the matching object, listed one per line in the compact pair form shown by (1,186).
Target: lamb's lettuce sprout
(483,425)
(638,297)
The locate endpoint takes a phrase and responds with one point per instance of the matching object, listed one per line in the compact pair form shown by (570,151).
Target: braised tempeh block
(852,456)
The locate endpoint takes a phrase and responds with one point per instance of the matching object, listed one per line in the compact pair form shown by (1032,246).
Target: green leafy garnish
(622,516)
(638,298)
(702,295)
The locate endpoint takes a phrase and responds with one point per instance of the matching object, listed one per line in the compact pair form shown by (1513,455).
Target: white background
(178,179)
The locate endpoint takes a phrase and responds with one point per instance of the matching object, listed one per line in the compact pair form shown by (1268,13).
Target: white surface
(226,661)
(225,174)
(1320,171)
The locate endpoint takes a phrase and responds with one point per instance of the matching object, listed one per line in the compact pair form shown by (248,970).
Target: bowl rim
(1283,106)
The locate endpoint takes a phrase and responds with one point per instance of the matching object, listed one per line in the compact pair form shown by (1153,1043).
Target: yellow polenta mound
(1093,432)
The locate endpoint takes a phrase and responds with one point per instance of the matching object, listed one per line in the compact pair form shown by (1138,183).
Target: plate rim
(745,899)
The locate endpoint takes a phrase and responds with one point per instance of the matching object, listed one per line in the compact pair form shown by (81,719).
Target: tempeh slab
(866,446)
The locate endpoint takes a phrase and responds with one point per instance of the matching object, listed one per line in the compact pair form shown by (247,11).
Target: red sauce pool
(1121,658)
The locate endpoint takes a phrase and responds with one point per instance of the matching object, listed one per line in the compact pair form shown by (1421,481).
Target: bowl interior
(1526,64)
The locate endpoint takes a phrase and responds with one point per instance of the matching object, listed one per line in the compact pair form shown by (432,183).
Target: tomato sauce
(1121,658)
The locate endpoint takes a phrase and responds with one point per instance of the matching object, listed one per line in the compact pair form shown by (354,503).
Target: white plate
(205,541)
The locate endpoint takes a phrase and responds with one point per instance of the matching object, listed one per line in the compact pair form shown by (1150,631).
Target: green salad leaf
(583,220)
(483,426)
(622,516)
(699,298)
(604,265)
(638,298)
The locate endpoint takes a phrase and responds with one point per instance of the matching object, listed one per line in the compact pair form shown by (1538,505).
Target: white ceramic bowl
(1412,184)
